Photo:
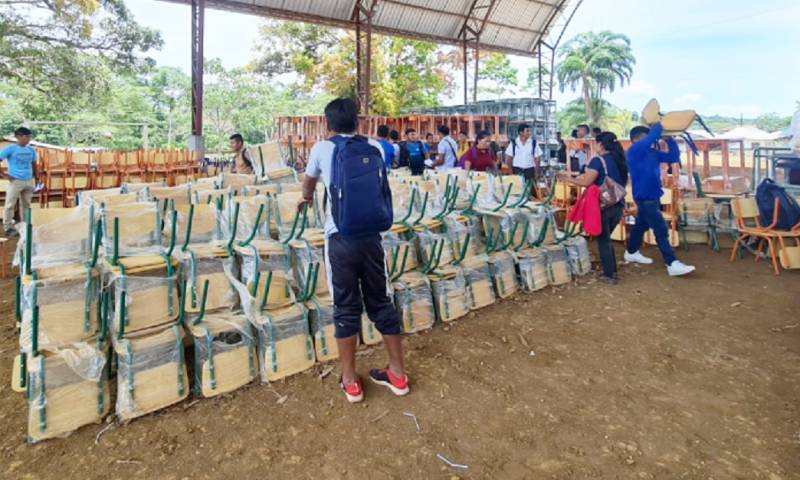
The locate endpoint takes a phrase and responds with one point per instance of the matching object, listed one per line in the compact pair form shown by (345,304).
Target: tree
(532,83)
(574,113)
(57,47)
(496,68)
(405,73)
(595,62)
(772,122)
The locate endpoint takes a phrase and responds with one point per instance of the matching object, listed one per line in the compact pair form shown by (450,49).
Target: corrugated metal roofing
(511,26)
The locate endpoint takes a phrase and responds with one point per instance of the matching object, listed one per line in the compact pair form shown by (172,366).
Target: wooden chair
(158,165)
(107,166)
(55,171)
(80,175)
(749,226)
(131,167)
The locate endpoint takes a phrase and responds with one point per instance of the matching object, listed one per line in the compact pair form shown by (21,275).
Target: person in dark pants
(611,162)
(645,157)
(356,270)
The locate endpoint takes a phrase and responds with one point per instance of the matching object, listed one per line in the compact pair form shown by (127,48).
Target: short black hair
(481,135)
(383,131)
(428,135)
(638,131)
(342,115)
(462,132)
(584,126)
(22,131)
(596,131)
(574,133)
(444,130)
(237,136)
(522,127)
(394,135)
(410,130)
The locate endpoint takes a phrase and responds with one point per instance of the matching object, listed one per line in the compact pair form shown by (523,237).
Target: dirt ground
(691,378)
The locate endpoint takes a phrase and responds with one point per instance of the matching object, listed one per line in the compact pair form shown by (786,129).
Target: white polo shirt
(320,162)
(525,154)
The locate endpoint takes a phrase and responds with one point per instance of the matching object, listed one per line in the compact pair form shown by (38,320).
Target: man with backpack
(359,208)
(413,153)
(447,149)
(241,161)
(525,154)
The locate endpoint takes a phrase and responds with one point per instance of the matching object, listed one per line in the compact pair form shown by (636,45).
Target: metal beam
(466,61)
(198,27)
(263,11)
(456,15)
(362,15)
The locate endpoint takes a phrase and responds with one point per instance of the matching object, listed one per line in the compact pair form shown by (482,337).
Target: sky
(726,57)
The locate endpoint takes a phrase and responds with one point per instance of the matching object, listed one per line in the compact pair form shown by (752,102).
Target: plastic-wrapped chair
(151,371)
(533,270)
(200,224)
(450,295)
(235,181)
(320,313)
(292,224)
(401,255)
(67,389)
(479,281)
(503,267)
(131,229)
(580,261)
(172,196)
(558,269)
(696,222)
(224,351)
(414,301)
(208,264)
(285,346)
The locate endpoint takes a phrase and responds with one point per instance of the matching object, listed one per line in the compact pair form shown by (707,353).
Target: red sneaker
(385,377)
(352,391)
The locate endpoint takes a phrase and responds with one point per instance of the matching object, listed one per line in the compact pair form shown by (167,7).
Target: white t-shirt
(525,154)
(447,149)
(396,151)
(319,165)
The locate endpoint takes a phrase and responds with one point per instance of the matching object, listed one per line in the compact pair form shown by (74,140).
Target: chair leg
(736,246)
(758,250)
(773,256)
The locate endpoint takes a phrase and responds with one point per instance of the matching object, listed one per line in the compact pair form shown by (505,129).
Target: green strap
(189,221)
(88,298)
(42,397)
(210,348)
(179,347)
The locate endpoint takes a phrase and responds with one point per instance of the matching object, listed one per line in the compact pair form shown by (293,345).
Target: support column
(466,82)
(477,67)
(362,14)
(198,20)
(540,68)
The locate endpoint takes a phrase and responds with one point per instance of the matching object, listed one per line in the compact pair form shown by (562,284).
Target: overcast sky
(727,57)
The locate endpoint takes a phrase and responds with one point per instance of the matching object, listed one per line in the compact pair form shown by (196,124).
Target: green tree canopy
(595,62)
(63,48)
(495,69)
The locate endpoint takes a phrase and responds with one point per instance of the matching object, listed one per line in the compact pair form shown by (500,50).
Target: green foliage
(496,69)
(613,119)
(65,48)
(321,60)
(771,122)
(595,62)
(532,82)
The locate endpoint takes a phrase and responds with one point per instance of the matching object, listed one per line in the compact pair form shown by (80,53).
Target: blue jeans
(649,216)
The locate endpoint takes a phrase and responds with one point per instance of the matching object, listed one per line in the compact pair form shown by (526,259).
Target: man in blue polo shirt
(21,173)
(386,145)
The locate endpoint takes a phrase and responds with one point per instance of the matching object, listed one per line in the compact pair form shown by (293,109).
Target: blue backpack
(788,209)
(361,201)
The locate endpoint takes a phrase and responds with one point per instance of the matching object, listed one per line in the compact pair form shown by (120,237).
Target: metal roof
(508,26)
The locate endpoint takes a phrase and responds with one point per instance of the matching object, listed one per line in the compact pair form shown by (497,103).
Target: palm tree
(595,61)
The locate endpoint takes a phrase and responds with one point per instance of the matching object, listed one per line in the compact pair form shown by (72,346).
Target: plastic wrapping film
(450,295)
(499,226)
(139,229)
(479,282)
(457,228)
(285,346)
(137,187)
(235,181)
(151,371)
(504,273)
(224,354)
(288,220)
(320,313)
(558,269)
(96,197)
(201,196)
(261,189)
(254,213)
(269,266)
(401,199)
(414,301)
(438,244)
(308,260)
(206,225)
(144,297)
(533,271)
(723,218)
(66,389)
(537,224)
(696,213)
(177,195)
(67,308)
(201,266)
(580,261)
(59,236)
(369,332)
(401,255)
